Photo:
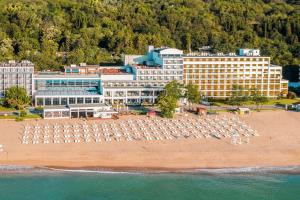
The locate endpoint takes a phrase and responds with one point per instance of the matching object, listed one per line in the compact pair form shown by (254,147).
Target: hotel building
(16,74)
(89,90)
(143,76)
(54,89)
(216,74)
(70,95)
(140,80)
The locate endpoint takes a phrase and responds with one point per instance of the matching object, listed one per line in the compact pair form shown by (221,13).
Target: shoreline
(23,169)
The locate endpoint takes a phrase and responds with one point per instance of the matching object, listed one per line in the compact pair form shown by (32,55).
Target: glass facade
(63,91)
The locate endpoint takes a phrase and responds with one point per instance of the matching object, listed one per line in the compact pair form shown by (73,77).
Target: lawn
(28,116)
(282,101)
(270,102)
(32,116)
(4,109)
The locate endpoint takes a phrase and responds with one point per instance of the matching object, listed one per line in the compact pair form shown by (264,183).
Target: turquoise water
(96,186)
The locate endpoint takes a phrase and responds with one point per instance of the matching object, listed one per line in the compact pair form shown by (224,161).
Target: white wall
(117,77)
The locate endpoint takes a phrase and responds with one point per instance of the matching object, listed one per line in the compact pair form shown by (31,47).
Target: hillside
(56,32)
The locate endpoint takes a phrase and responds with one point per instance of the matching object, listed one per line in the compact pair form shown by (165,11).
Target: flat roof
(61,76)
(221,56)
(109,71)
(13,63)
(94,66)
(139,66)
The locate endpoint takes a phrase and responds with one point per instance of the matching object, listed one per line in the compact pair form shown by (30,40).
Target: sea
(224,184)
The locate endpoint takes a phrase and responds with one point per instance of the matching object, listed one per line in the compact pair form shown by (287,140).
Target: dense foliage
(192,93)
(168,98)
(16,97)
(55,32)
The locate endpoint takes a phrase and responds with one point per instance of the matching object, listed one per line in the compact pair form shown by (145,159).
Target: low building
(55,89)
(79,111)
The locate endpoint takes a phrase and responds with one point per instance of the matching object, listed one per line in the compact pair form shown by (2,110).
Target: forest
(52,33)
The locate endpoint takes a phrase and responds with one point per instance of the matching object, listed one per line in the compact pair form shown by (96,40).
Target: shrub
(39,108)
(2,101)
(16,97)
(19,119)
(291,95)
(23,113)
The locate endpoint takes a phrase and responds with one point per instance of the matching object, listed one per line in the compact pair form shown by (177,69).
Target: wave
(100,171)
(249,170)
(217,171)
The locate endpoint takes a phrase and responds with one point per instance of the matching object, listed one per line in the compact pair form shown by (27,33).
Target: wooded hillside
(56,32)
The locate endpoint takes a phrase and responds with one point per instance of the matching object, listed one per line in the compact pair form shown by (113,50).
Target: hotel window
(79,100)
(63,83)
(86,83)
(55,101)
(72,100)
(64,101)
(71,83)
(48,101)
(88,100)
(96,100)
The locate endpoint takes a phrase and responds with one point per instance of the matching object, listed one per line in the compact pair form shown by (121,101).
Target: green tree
(238,96)
(291,95)
(192,93)
(174,89)
(169,97)
(6,49)
(167,105)
(258,98)
(16,97)
(23,113)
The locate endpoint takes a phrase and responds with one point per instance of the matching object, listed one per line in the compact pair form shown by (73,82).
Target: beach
(277,145)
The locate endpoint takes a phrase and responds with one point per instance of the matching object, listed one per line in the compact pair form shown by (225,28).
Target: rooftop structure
(249,52)
(83,68)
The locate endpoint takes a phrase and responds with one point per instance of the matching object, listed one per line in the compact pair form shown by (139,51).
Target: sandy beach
(277,145)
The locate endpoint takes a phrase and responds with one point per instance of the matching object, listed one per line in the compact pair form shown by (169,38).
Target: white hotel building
(14,73)
(144,76)
(85,90)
